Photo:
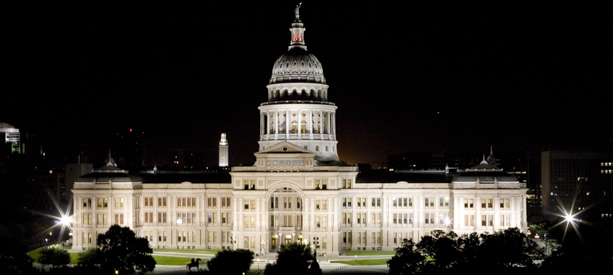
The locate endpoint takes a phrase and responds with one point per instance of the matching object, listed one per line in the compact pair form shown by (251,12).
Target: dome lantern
(297,31)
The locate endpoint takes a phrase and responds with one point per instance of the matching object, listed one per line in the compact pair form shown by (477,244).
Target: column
(276,125)
(310,124)
(477,206)
(288,123)
(329,128)
(299,116)
(262,124)
(523,213)
(334,124)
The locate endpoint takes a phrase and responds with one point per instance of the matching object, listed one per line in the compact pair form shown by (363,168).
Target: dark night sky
(405,77)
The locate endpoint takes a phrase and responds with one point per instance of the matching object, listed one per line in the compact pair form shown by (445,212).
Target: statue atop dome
(297,11)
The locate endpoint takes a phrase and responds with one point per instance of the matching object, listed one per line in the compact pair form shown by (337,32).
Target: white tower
(298,110)
(223,151)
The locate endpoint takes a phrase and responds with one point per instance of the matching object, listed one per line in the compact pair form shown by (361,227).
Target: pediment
(285,148)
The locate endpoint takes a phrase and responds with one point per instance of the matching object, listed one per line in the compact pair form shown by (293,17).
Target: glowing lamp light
(65,220)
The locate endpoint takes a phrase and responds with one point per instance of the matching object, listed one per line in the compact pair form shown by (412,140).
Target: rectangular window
(87,203)
(102,202)
(468,203)
(161,217)
(394,203)
(119,202)
(504,203)
(505,220)
(429,202)
(119,219)
(469,220)
(161,201)
(444,202)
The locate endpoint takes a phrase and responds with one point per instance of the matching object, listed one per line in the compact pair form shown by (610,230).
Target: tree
(508,248)
(407,259)
(13,249)
(90,257)
(54,255)
(442,247)
(293,258)
(121,250)
(231,262)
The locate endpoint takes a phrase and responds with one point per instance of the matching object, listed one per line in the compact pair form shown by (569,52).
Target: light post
(262,243)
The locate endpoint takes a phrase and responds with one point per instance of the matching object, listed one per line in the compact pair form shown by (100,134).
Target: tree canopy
(54,255)
(502,249)
(121,250)
(231,262)
(13,257)
(293,258)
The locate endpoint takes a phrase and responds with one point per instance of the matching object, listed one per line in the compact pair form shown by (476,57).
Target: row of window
(487,203)
(103,203)
(361,237)
(361,218)
(429,202)
(487,220)
(101,219)
(149,201)
(285,220)
(287,202)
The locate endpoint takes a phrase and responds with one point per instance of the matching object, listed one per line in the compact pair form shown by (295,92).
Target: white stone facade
(269,203)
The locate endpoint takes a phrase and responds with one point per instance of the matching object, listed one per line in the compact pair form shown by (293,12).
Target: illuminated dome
(297,65)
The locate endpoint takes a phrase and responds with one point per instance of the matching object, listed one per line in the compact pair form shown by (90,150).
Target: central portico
(298,199)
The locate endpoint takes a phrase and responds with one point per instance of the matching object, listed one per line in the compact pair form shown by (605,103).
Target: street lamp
(262,243)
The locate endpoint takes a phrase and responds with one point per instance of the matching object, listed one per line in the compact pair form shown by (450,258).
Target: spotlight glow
(569,218)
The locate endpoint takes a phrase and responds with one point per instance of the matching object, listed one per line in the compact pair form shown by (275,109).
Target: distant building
(11,139)
(130,149)
(577,181)
(223,151)
(65,185)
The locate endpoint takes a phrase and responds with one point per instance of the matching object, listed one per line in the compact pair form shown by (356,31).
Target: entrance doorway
(274,242)
(288,239)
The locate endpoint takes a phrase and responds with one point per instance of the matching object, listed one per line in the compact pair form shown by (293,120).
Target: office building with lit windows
(296,189)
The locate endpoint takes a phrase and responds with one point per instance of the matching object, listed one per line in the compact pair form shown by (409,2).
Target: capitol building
(296,190)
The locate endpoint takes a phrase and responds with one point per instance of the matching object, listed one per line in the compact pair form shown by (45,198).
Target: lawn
(35,254)
(370,253)
(189,251)
(364,262)
(161,260)
(166,260)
